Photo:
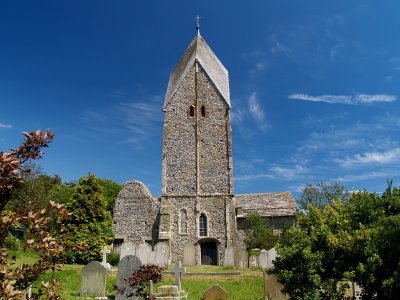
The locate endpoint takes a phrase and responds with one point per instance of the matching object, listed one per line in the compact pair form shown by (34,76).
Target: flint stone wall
(214,150)
(135,213)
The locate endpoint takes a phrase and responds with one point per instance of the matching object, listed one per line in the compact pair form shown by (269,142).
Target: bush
(113,259)
(11,242)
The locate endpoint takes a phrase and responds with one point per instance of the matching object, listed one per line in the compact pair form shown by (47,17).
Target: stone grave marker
(127,266)
(161,254)
(229,256)
(253,261)
(104,263)
(143,252)
(241,258)
(215,293)
(263,258)
(189,255)
(272,254)
(127,248)
(272,288)
(93,282)
(178,270)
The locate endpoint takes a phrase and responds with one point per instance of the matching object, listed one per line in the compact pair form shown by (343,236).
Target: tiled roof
(200,51)
(267,205)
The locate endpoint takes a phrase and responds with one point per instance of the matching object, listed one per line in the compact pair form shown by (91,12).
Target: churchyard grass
(248,285)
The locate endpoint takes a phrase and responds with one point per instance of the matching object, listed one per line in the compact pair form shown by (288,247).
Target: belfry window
(183,222)
(191,111)
(203,111)
(203,225)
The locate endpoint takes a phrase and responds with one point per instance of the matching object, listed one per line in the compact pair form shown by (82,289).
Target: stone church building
(197,219)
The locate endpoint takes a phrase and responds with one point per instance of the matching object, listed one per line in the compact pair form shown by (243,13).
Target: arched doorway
(209,253)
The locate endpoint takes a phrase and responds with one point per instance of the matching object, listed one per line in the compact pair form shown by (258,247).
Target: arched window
(203,111)
(183,222)
(203,225)
(191,111)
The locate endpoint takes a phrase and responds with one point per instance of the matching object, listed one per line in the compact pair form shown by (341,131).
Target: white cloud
(368,158)
(362,177)
(395,62)
(345,99)
(289,173)
(257,112)
(2,125)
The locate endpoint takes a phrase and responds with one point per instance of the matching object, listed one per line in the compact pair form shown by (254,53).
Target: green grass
(248,285)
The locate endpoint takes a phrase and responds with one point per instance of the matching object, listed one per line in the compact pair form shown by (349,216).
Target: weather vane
(198,23)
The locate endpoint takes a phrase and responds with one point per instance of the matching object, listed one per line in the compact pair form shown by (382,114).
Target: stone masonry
(197,208)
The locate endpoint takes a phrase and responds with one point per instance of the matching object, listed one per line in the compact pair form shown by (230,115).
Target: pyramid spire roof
(199,51)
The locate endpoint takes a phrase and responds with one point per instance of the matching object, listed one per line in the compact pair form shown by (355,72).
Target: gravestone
(215,293)
(263,258)
(93,282)
(161,254)
(229,256)
(241,258)
(189,255)
(143,252)
(272,254)
(178,270)
(127,266)
(272,288)
(253,261)
(104,262)
(127,248)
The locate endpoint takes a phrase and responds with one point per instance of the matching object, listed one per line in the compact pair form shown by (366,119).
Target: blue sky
(315,86)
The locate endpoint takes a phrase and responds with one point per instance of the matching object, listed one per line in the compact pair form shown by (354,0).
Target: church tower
(197,179)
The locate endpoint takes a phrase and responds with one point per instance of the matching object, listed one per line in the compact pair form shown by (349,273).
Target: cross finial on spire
(198,23)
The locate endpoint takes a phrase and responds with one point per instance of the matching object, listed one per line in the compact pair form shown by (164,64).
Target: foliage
(260,234)
(113,258)
(356,241)
(12,172)
(322,193)
(88,227)
(110,191)
(140,280)
(11,163)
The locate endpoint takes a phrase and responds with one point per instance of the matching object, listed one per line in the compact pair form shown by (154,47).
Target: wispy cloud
(257,112)
(345,99)
(133,121)
(2,125)
(289,173)
(362,177)
(370,158)
(395,62)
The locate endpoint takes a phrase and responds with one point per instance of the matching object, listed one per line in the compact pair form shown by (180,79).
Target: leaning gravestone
(272,288)
(94,280)
(127,266)
(215,293)
(189,255)
(161,254)
(241,258)
(263,258)
(229,256)
(127,248)
(143,252)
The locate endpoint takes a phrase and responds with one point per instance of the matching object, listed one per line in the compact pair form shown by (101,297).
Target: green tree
(322,193)
(110,191)
(260,234)
(357,240)
(88,227)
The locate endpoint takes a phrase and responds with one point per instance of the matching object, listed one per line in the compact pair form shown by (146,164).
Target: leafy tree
(322,193)
(260,234)
(88,227)
(356,241)
(14,279)
(110,191)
